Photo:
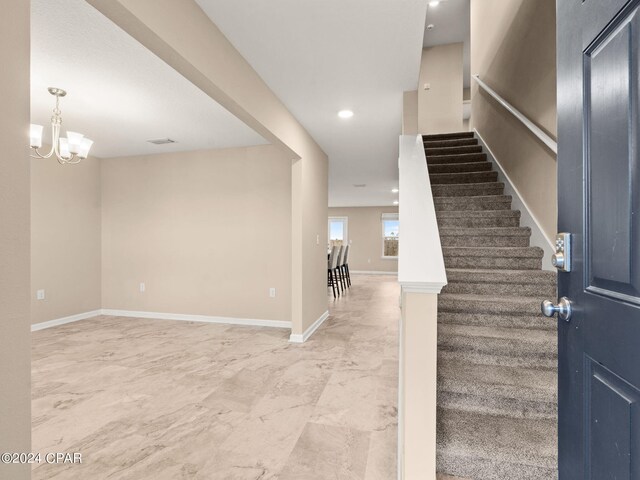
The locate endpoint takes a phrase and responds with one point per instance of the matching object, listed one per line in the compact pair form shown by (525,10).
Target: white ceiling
(452,24)
(119,93)
(320,57)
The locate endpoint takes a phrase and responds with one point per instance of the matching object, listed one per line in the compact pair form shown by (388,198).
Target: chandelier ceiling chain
(68,151)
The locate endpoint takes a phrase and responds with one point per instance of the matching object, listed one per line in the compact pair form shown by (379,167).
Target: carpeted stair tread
(462,377)
(486,232)
(483,357)
(526,322)
(497,390)
(505,342)
(452,150)
(473,303)
(501,218)
(483,241)
(450,142)
(487,236)
(463,177)
(494,252)
(501,258)
(483,214)
(460,158)
(467,189)
(472,167)
(485,447)
(530,283)
(536,277)
(444,136)
(483,202)
(488,403)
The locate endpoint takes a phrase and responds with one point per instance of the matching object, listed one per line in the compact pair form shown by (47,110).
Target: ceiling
(452,24)
(119,93)
(320,57)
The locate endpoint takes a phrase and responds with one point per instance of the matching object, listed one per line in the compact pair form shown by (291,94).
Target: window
(337,231)
(390,235)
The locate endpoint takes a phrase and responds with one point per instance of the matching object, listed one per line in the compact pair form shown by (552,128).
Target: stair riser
(475,205)
(493,405)
(530,322)
(496,308)
(479,222)
(467,190)
(487,469)
(483,241)
(453,159)
(447,136)
(541,277)
(493,263)
(460,168)
(459,142)
(458,178)
(453,150)
(510,289)
(502,360)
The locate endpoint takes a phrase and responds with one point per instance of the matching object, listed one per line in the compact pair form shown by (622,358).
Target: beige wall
(517,58)
(208,232)
(440,107)
(183,36)
(65,238)
(365,237)
(15,354)
(410,113)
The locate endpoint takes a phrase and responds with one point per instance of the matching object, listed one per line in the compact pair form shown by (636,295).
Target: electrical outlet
(317,239)
(272,292)
(143,287)
(40,294)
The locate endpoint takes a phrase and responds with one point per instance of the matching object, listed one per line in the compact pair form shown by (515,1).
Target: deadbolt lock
(562,258)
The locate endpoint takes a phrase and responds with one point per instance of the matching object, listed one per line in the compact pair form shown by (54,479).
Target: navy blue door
(599,204)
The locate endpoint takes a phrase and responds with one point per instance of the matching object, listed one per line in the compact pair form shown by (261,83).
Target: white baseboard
(64,320)
(372,272)
(301,338)
(162,316)
(198,318)
(527,218)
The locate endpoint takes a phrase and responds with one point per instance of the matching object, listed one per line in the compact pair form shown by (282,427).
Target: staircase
(497,355)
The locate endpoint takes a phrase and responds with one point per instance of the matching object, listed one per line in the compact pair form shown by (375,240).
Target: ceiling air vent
(359,185)
(161,141)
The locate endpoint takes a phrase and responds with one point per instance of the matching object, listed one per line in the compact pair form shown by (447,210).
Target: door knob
(563,309)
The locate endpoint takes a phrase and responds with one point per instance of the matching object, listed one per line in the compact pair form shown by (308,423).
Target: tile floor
(155,399)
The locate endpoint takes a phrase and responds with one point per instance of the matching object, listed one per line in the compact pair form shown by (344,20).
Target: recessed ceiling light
(395,190)
(434,4)
(345,114)
(430,26)
(396,202)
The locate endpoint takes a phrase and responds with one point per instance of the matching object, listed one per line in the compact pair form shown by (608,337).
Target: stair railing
(537,131)
(421,274)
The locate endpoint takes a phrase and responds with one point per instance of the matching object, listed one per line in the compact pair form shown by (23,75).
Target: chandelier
(69,150)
